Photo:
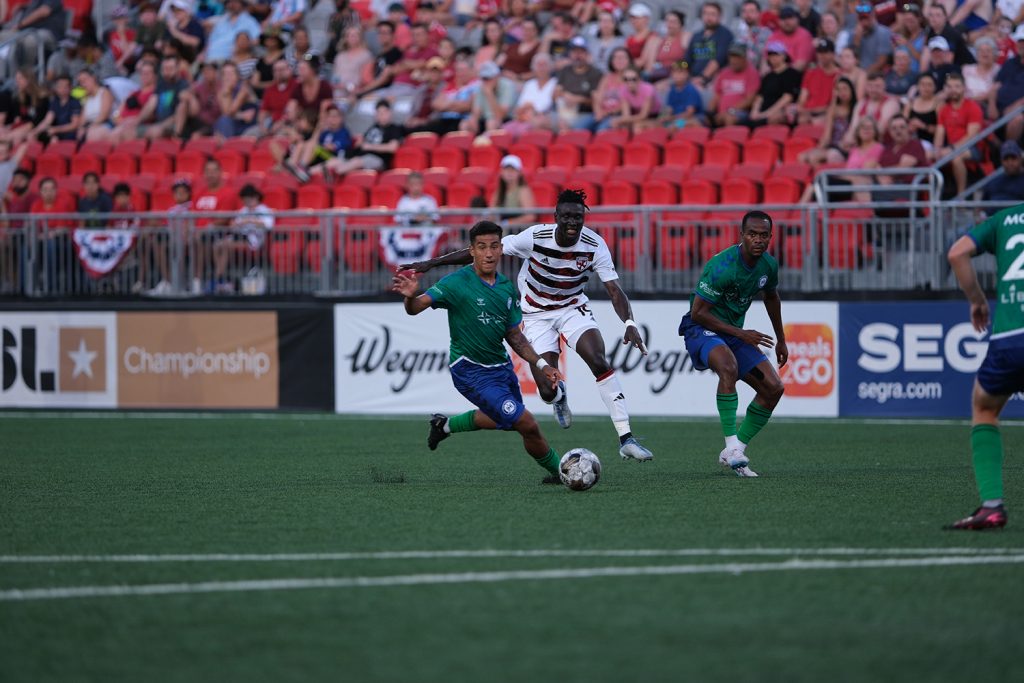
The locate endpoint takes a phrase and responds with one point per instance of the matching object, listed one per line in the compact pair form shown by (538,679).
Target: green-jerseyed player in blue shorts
(715,338)
(483,311)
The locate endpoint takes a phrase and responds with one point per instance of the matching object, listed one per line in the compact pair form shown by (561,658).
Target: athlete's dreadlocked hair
(573,197)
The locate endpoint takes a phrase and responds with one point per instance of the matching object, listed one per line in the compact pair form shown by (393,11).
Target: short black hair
(754,216)
(484,228)
(122,188)
(28,174)
(91,174)
(572,197)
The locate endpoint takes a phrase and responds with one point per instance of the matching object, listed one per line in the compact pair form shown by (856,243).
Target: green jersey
(479,315)
(1003,235)
(729,284)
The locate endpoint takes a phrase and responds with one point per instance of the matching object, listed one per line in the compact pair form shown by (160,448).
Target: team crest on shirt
(582,262)
(762,282)
(508,407)
(508,303)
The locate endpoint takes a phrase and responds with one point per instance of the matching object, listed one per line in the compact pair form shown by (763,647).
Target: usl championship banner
(390,362)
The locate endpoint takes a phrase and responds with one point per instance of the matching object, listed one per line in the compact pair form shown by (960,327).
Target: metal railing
(897,242)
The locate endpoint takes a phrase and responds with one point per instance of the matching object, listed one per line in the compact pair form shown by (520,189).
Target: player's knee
(726,369)
(599,365)
(527,424)
(774,390)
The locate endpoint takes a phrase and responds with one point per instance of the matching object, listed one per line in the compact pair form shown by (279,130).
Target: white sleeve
(603,264)
(266,216)
(520,245)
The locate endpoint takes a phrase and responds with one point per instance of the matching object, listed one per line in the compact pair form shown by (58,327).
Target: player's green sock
(463,422)
(727,404)
(550,461)
(987,454)
(755,420)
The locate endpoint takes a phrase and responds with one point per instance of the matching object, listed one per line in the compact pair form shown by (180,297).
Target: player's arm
(773,304)
(407,287)
(521,345)
(701,314)
(960,255)
(455,258)
(620,302)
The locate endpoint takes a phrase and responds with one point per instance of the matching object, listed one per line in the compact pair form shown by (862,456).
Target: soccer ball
(579,469)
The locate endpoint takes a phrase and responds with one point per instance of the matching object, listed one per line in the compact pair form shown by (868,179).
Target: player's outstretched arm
(960,255)
(620,302)
(701,314)
(455,258)
(773,304)
(407,287)
(521,345)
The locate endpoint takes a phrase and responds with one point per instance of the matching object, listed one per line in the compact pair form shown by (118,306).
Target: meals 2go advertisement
(391,362)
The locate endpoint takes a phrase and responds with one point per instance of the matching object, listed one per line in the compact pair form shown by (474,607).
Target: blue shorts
(1002,372)
(494,390)
(700,342)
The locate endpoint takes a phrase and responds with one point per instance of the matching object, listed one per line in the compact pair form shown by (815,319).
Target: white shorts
(543,329)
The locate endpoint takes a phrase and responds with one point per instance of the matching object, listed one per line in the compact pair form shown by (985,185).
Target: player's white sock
(994,503)
(558,394)
(611,393)
(447,427)
(733,442)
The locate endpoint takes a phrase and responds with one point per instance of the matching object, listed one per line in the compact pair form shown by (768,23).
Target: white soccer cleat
(733,458)
(561,408)
(744,472)
(633,449)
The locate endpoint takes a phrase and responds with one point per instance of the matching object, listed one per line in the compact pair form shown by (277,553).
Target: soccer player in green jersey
(1002,372)
(715,338)
(483,309)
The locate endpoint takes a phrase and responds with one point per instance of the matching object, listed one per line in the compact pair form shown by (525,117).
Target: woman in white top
(536,102)
(97,108)
(980,78)
(351,64)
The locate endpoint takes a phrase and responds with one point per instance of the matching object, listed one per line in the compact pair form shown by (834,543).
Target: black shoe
(437,433)
(551,479)
(981,519)
(297,171)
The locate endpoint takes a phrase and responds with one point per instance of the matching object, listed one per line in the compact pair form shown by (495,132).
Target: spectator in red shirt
(56,242)
(734,89)
(409,71)
(49,202)
(214,195)
(959,119)
(276,97)
(798,41)
(17,199)
(121,38)
(818,84)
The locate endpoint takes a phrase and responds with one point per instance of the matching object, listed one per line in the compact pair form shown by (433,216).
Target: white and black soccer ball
(579,469)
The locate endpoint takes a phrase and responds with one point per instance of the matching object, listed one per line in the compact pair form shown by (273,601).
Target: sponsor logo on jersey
(811,368)
(1014,219)
(708,289)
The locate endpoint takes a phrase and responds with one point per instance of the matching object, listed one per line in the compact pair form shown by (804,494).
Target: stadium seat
(580,138)
(740,192)
(231,160)
(71,184)
(714,174)
(449,156)
(811,131)
(161,199)
(109,180)
(98,148)
(364,179)
(794,170)
(500,139)
(588,174)
(459,139)
(644,154)
(435,191)
(683,153)
(698,192)
(438,175)
(716,237)
(140,199)
(51,165)
(544,194)
(169,146)
(396,177)
(655,136)
(313,196)
(190,161)
(541,138)
(278,198)
(202,144)
(792,148)
(286,247)
(618,193)
(122,164)
(427,141)
(755,172)
(673,174)
(157,163)
(486,156)
(847,245)
(238,181)
(778,133)
(630,174)
(788,244)
(617,138)
(782,190)
(602,154)
(564,155)
(721,152)
(361,250)
(62,148)
(85,163)
(531,155)
(552,174)
(349,197)
(243,144)
(676,241)
(143,181)
(135,147)
(461,196)
(260,161)
(764,152)
(412,158)
(737,134)
(475,175)
(385,195)
(167,182)
(696,134)
(659,193)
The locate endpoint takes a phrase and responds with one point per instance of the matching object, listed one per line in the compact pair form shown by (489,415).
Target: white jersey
(554,277)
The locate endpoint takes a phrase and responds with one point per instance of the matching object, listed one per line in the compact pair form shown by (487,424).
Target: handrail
(979,136)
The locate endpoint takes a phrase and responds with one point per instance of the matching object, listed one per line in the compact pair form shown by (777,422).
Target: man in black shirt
(389,55)
(94,200)
(373,150)
(1007,185)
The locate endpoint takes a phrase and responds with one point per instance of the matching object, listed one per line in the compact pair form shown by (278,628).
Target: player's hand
(781,353)
(632,336)
(979,316)
(416,267)
(552,374)
(405,284)
(755,338)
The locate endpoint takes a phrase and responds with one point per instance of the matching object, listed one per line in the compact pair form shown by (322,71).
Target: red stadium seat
(364,179)
(438,175)
(278,198)
(231,160)
(261,161)
(190,161)
(764,152)
(717,237)
(755,172)
(396,177)
(62,148)
(361,250)
(436,192)
(698,192)
(564,155)
(135,147)
(645,154)
(602,154)
(676,246)
(475,175)
(486,156)
(696,134)
(449,156)
(658,193)
(656,136)
(161,199)
(552,174)
(458,139)
(52,165)
(721,152)
(412,158)
(617,138)
(588,174)
(243,144)
(778,133)
(240,180)
(544,194)
(541,138)
(313,196)
(715,174)
(386,195)
(673,174)
(166,145)
(349,197)
(580,138)
(157,163)
(792,148)
(501,139)
(85,163)
(794,170)
(684,153)
(782,190)
(122,164)
(619,193)
(811,131)
(143,181)
(847,243)
(205,145)
(70,184)
(740,191)
(737,134)
(427,141)
(461,195)
(531,155)
(98,148)
(630,174)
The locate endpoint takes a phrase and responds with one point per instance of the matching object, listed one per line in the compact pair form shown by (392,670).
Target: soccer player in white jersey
(557,261)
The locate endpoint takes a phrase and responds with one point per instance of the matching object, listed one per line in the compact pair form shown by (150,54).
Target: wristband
(541,363)
(630,323)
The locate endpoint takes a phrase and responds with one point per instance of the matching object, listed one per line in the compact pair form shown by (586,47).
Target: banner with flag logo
(101,251)
(403,245)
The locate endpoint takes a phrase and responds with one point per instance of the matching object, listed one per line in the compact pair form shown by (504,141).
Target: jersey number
(1016,269)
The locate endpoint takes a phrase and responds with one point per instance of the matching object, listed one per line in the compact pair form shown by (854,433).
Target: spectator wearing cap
(577,84)
(519,55)
(374,150)
(1007,185)
(455,102)
(750,32)
(285,14)
(941,62)
(797,41)
(492,102)
(872,41)
(557,38)
(409,71)
(226,27)
(273,51)
(120,39)
(642,35)
(1010,93)
(938,25)
(657,60)
(65,60)
(734,89)
(512,197)
(535,107)
(39,22)
(383,70)
(980,78)
(901,76)
(185,32)
(780,88)
(709,49)
(908,32)
(247,237)
(683,105)
(433,86)
(818,83)
(959,119)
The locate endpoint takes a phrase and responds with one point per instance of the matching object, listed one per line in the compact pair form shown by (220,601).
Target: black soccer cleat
(981,519)
(437,433)
(551,479)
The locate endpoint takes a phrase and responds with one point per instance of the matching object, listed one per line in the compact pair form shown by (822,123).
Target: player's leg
(535,443)
(768,385)
(539,329)
(987,459)
(714,353)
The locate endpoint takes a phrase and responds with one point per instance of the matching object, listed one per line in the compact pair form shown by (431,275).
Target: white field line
(500,554)
(57,593)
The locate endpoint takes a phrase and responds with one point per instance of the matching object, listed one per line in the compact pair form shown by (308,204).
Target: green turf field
(831,566)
